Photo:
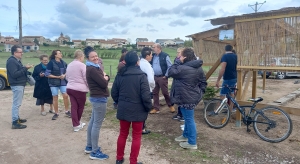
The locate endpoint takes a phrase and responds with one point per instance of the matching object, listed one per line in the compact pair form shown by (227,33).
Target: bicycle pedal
(248,130)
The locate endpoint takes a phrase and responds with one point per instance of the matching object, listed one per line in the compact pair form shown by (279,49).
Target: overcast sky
(104,19)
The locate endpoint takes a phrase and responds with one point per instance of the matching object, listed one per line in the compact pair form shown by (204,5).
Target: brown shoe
(153,111)
(172,109)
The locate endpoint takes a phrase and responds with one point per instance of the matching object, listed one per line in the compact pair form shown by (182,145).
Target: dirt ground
(47,141)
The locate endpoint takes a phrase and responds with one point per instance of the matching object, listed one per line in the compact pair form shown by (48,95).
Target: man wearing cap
(160,63)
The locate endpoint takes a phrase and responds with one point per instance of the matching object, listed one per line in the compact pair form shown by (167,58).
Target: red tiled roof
(8,37)
(145,43)
(95,39)
(76,40)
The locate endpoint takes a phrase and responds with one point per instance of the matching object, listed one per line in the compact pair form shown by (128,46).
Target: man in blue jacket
(17,78)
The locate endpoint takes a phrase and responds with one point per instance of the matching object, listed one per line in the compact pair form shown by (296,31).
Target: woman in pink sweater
(77,88)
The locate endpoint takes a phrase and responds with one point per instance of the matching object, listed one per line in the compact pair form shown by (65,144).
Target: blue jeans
(98,114)
(189,131)
(231,83)
(54,90)
(18,92)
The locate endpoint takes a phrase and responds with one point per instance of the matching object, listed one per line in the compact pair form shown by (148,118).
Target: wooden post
(264,81)
(249,76)
(254,80)
(238,97)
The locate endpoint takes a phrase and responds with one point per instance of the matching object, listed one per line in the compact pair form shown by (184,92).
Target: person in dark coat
(187,90)
(131,92)
(41,88)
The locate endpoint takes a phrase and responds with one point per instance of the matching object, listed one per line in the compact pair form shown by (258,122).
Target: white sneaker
(82,124)
(182,127)
(77,128)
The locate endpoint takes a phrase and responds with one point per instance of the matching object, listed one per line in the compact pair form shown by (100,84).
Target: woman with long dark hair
(56,73)
(187,90)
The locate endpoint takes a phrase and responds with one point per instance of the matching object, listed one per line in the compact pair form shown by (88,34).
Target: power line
(256,4)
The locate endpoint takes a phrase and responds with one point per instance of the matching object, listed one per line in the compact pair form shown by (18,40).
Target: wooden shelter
(258,37)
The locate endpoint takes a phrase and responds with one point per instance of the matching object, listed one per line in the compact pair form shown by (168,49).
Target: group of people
(138,81)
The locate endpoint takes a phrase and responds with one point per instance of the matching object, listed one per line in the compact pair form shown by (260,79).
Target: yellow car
(3,79)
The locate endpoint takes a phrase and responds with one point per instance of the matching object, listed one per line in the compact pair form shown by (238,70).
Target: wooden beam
(245,90)
(254,84)
(289,110)
(238,97)
(213,68)
(266,18)
(257,68)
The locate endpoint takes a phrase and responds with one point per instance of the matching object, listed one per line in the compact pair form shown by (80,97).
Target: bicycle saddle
(258,99)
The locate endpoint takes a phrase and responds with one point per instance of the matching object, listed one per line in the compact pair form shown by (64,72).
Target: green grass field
(110,65)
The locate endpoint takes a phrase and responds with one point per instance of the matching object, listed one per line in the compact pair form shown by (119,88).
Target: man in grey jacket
(17,78)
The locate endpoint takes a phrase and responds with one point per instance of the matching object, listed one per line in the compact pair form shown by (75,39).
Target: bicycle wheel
(272,124)
(216,120)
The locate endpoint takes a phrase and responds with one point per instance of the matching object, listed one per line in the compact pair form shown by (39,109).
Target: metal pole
(256,6)
(20,23)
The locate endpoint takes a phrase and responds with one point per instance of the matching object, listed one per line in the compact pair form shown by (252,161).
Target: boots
(17,125)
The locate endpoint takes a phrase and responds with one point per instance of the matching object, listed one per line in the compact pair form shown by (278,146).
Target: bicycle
(270,123)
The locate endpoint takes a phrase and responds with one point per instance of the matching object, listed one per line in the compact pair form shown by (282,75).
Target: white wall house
(25,46)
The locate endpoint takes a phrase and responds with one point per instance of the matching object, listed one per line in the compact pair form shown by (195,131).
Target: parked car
(282,62)
(3,79)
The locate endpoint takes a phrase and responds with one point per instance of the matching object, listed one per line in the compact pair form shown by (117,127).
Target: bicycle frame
(244,117)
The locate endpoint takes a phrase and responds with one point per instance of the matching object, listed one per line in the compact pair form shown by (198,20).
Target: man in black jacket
(160,63)
(17,78)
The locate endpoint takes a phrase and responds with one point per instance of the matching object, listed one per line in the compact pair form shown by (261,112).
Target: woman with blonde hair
(77,88)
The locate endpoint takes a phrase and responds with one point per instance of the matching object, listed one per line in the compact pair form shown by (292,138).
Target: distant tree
(177,38)
(188,43)
(45,44)
(67,37)
(129,40)
(36,41)
(83,43)
(97,47)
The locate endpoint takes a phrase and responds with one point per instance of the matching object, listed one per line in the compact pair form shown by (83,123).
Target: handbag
(30,80)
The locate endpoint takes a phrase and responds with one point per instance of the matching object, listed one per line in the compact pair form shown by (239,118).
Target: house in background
(141,40)
(108,44)
(29,39)
(170,42)
(77,43)
(140,45)
(25,46)
(93,42)
(62,39)
(9,39)
(119,41)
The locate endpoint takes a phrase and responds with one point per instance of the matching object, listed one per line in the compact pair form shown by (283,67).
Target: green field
(110,65)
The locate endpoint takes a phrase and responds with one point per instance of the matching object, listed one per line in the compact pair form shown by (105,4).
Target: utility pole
(256,4)
(20,23)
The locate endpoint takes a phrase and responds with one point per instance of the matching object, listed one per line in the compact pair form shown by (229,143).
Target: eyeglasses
(19,52)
